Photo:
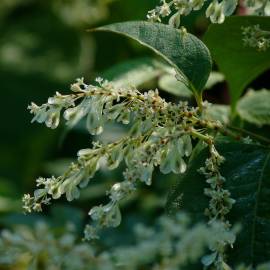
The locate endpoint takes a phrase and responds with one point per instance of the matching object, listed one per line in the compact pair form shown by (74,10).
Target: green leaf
(254,107)
(171,85)
(247,173)
(218,112)
(240,64)
(186,53)
(134,72)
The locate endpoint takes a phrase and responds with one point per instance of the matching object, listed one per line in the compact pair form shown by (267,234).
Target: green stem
(199,101)
(200,136)
(197,95)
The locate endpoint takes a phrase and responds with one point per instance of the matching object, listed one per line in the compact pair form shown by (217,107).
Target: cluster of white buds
(160,135)
(50,113)
(216,10)
(220,203)
(178,7)
(255,37)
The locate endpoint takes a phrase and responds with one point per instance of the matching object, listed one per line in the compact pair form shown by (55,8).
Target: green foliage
(187,54)
(240,64)
(246,171)
(139,136)
(254,107)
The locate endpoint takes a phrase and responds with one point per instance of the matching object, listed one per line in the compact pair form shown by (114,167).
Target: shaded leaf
(171,85)
(240,64)
(254,107)
(247,173)
(186,53)
(134,72)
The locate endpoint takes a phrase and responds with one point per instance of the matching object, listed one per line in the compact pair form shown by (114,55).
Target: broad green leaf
(240,64)
(254,107)
(134,72)
(186,53)
(247,172)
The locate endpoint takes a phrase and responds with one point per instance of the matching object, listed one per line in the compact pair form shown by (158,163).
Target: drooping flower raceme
(161,135)
(219,206)
(154,140)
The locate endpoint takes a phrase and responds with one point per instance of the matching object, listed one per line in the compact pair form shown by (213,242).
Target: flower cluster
(220,203)
(160,135)
(172,244)
(216,10)
(29,248)
(255,37)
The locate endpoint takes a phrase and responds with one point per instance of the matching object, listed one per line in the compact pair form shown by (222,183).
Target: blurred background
(44,47)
